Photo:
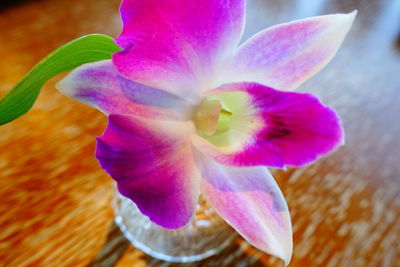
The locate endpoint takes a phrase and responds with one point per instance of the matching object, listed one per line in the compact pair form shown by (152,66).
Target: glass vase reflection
(205,235)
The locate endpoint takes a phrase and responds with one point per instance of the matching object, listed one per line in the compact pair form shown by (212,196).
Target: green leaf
(89,48)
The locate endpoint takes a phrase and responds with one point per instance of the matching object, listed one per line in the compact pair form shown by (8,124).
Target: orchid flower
(191,111)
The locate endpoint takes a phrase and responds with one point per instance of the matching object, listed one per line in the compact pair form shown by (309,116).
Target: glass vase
(205,235)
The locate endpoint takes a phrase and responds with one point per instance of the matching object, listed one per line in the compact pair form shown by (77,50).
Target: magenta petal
(153,165)
(286,55)
(177,45)
(249,199)
(290,129)
(99,85)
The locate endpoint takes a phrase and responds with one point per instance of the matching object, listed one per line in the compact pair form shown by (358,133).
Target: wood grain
(55,201)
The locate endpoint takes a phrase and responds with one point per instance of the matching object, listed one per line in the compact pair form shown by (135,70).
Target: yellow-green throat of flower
(211,117)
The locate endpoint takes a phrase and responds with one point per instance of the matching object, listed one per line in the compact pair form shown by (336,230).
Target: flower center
(211,116)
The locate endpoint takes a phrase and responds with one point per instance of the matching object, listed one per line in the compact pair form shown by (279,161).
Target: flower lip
(272,128)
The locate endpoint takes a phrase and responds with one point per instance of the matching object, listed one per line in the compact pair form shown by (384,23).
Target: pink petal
(278,129)
(249,199)
(177,45)
(286,55)
(153,165)
(99,85)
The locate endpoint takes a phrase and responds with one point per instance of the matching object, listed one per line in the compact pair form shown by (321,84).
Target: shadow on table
(9,3)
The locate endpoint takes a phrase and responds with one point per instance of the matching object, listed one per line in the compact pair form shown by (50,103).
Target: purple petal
(278,128)
(99,85)
(177,45)
(249,199)
(286,55)
(153,165)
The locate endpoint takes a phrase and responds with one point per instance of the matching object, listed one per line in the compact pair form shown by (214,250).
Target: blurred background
(55,201)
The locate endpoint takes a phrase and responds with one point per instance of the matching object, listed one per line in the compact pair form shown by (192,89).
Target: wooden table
(55,201)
